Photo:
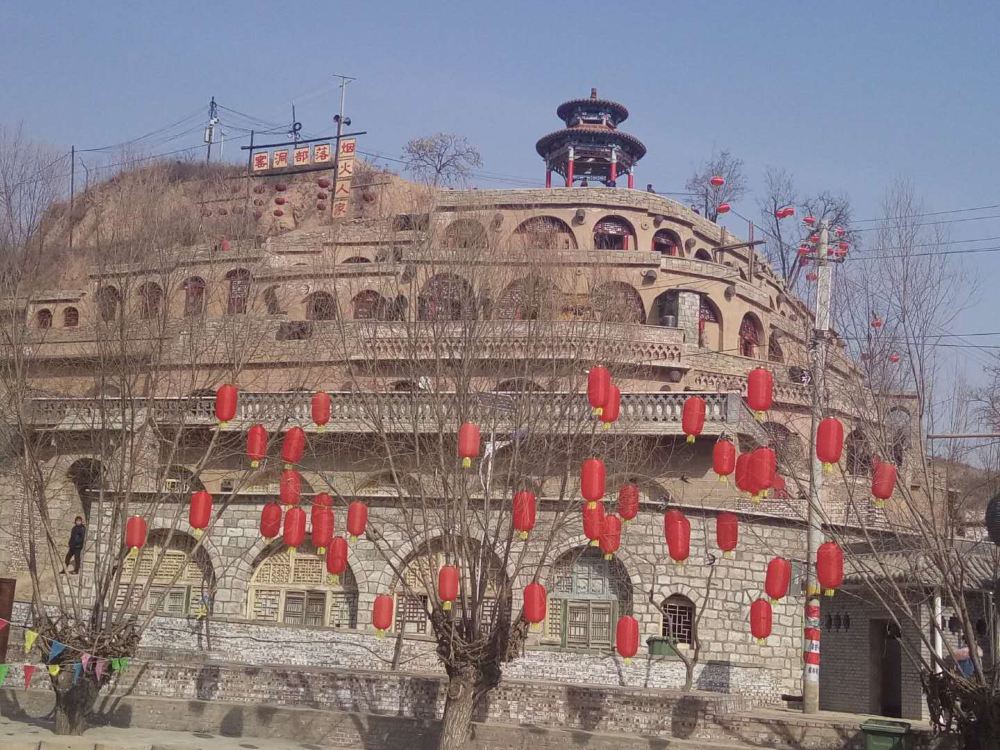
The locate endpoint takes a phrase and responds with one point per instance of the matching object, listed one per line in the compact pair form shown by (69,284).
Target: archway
(239,291)
(703,254)
(194,296)
(774,351)
(709,325)
(108,301)
(614,233)
(667,242)
(525,299)
(545,233)
(180,579)
(43,318)
(665,310)
(465,233)
(751,334)
(150,299)
(370,305)
(321,306)
(71,317)
(587,596)
(618,302)
(446,297)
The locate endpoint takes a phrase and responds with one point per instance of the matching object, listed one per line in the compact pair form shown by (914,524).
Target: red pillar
(569,168)
(614,166)
(548,178)
(631,180)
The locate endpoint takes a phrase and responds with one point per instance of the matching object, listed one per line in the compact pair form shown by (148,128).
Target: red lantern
(322,500)
(357,519)
(727,532)
(468,443)
(693,417)
(270,521)
(280,200)
(778,578)
(278,212)
(717,180)
(295,527)
(293,446)
(894,357)
(609,414)
(628,502)
(677,529)
(760,391)
(809,220)
(593,521)
(447,585)
(723,208)
(611,536)
(843,247)
(830,567)
(627,637)
(200,512)
(839,231)
(724,458)
(778,487)
(225,246)
(225,403)
(829,442)
(760,620)
(598,387)
(877,322)
(812,276)
(290,487)
(742,472)
(135,534)
(323,182)
(883,482)
(592,478)
(256,444)
(336,559)
(322,528)
(382,614)
(535,601)
(321,409)
(784,213)
(524,512)
(763,468)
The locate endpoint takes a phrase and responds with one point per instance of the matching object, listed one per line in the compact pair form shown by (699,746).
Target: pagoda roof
(629,143)
(565,110)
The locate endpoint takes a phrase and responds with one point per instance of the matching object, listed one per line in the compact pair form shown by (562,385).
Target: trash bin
(882,734)
(660,646)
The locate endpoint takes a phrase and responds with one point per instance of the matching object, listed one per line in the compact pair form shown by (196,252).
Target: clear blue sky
(845,95)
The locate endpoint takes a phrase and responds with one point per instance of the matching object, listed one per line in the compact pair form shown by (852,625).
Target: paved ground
(16,735)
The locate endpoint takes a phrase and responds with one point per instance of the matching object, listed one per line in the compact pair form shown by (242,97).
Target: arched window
(666,242)
(617,302)
(545,233)
(525,299)
(858,453)
(239,291)
(71,317)
(751,333)
(703,254)
(446,297)
(43,318)
(192,591)
(587,596)
(150,297)
(370,305)
(678,620)
(295,590)
(271,302)
(321,306)
(108,300)
(774,352)
(357,259)
(709,325)
(613,233)
(464,233)
(194,296)
(665,310)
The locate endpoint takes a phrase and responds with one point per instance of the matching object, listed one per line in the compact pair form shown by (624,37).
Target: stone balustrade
(352,412)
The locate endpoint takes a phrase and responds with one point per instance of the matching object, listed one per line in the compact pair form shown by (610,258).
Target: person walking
(76,540)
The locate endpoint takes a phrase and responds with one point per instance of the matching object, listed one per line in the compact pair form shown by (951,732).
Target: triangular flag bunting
(29,669)
(54,669)
(4,669)
(77,671)
(30,636)
(85,660)
(4,623)
(55,649)
(102,664)
(123,664)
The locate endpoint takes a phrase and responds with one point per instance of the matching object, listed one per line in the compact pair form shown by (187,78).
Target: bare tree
(442,159)
(709,197)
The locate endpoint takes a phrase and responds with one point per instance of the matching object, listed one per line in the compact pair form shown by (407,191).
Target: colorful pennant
(55,649)
(29,669)
(77,671)
(54,669)
(4,669)
(30,636)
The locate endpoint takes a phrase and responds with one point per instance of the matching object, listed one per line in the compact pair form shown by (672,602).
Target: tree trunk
(74,702)
(456,723)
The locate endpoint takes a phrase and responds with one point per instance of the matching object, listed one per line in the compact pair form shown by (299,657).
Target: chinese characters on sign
(302,156)
(345,171)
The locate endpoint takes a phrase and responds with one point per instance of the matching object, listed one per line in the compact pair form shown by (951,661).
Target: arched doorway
(545,233)
(618,302)
(665,310)
(465,233)
(667,242)
(709,325)
(150,299)
(751,334)
(587,596)
(180,578)
(446,297)
(614,233)
(194,296)
(321,306)
(525,299)
(239,291)
(370,305)
(108,301)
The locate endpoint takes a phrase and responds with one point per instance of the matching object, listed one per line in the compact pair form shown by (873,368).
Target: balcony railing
(641,413)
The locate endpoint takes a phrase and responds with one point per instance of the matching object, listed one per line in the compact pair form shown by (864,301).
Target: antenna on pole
(341,122)
(213,120)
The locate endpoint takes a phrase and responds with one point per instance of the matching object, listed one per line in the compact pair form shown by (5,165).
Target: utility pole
(341,122)
(814,535)
(213,120)
(72,191)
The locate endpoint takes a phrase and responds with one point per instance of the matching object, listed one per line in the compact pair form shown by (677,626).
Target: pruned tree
(709,197)
(441,159)
(132,455)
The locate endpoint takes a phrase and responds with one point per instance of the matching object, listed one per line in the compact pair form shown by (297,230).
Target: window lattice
(293,589)
(678,620)
(588,594)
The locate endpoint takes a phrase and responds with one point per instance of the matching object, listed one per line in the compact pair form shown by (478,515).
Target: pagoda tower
(590,147)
